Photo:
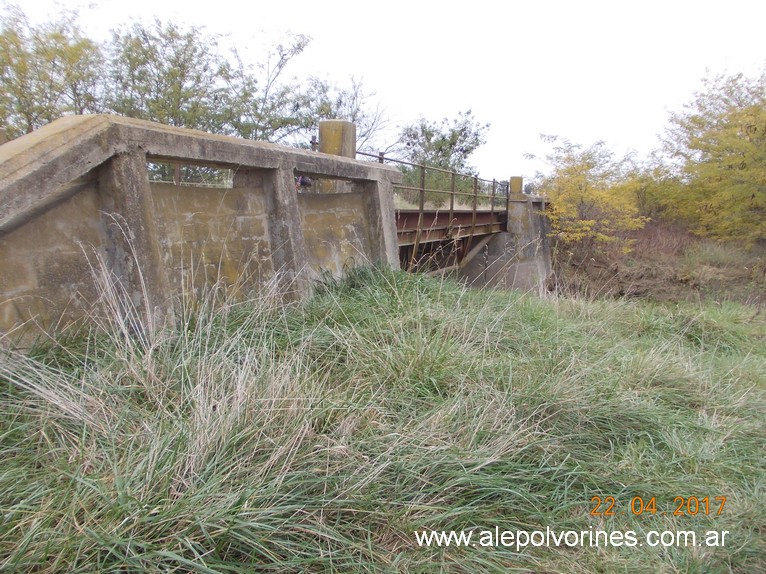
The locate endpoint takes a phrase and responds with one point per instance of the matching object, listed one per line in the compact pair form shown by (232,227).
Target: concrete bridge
(79,200)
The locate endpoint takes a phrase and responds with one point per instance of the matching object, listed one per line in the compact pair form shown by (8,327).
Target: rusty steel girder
(438,226)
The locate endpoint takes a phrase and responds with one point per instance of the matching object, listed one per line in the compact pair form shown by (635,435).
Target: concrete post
(336,137)
(516,212)
(517,185)
(135,255)
(382,221)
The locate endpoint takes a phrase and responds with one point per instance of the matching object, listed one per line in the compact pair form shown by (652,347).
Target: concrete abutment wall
(76,202)
(519,258)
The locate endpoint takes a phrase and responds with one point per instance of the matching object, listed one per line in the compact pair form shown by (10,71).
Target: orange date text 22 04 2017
(640,505)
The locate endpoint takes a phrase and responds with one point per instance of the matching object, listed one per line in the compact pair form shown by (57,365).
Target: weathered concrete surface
(35,166)
(78,189)
(42,266)
(211,235)
(132,241)
(336,137)
(337,232)
(520,258)
(36,170)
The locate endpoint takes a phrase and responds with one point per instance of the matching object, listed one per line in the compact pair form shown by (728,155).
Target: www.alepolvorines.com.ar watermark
(520,539)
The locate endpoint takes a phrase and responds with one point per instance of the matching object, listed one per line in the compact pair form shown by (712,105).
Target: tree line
(185,77)
(165,73)
(709,174)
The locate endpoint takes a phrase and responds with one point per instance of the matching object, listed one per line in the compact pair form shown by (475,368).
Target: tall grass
(319,437)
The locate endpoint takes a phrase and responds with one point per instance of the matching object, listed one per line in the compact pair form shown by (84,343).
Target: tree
(719,145)
(446,145)
(261,105)
(46,71)
(179,78)
(653,184)
(441,147)
(267,106)
(330,101)
(164,74)
(592,197)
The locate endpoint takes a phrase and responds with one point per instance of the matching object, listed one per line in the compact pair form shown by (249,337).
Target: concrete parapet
(79,188)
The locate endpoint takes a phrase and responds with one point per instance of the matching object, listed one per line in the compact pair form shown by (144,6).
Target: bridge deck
(441,225)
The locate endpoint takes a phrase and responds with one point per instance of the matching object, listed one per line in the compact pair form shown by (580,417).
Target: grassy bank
(320,438)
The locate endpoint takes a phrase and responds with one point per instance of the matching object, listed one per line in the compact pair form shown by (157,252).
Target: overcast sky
(585,70)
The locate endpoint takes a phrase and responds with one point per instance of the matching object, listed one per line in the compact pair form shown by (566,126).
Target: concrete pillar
(518,258)
(382,221)
(517,185)
(135,256)
(336,137)
(286,242)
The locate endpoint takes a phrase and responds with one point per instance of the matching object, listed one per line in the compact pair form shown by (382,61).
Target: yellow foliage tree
(592,198)
(719,144)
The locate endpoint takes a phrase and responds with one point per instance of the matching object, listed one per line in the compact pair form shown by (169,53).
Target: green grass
(320,437)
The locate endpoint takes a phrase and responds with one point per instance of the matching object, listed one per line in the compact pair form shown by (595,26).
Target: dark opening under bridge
(82,213)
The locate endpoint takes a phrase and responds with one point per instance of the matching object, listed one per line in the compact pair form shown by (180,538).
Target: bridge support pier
(521,257)
(506,264)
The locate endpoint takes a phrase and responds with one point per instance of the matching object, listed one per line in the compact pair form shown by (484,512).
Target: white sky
(586,70)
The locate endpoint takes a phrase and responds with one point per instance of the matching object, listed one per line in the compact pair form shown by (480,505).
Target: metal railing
(458,185)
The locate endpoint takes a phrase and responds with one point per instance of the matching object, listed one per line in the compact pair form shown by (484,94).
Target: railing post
(421,207)
(492,201)
(451,203)
(475,204)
